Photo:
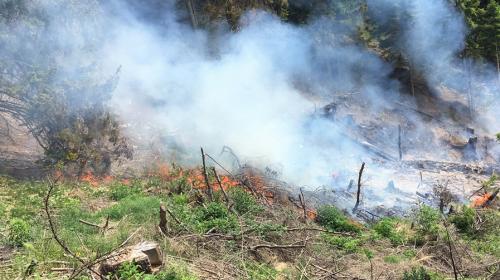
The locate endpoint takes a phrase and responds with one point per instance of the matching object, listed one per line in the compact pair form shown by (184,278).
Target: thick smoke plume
(259,90)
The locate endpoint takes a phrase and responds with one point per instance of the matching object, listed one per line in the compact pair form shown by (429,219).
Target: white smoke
(257,90)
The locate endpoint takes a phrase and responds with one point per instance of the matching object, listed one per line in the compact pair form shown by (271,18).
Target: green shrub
(121,191)
(410,253)
(417,274)
(344,243)
(129,271)
(266,229)
(215,217)
(19,232)
(178,186)
(244,203)
(333,219)
(428,221)
(386,227)
(464,220)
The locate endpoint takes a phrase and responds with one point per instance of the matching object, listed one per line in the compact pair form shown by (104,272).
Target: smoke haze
(259,90)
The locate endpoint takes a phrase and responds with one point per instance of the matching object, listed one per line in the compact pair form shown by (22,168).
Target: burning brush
(485,200)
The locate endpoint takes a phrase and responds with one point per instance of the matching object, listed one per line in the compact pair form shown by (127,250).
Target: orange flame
(94,181)
(481,201)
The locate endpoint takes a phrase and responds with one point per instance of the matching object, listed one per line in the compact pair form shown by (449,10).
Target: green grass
(333,219)
(394,259)
(259,271)
(135,205)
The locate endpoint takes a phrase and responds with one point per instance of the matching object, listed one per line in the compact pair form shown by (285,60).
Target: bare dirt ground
(19,152)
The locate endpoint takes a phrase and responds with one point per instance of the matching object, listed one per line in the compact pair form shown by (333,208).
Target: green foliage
(215,217)
(120,191)
(179,185)
(410,253)
(417,274)
(498,136)
(333,219)
(490,182)
(19,232)
(486,239)
(392,259)
(464,220)
(483,19)
(368,254)
(130,271)
(344,243)
(427,221)
(387,227)
(260,271)
(244,203)
(139,208)
(265,229)
(173,272)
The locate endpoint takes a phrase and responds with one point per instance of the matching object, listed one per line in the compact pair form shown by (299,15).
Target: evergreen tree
(483,19)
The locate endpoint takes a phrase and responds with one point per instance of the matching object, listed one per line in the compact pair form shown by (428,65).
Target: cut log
(146,255)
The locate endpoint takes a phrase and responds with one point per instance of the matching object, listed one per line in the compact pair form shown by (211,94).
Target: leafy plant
(464,220)
(120,191)
(130,271)
(244,203)
(215,217)
(387,227)
(427,221)
(333,219)
(416,274)
(19,232)
(344,243)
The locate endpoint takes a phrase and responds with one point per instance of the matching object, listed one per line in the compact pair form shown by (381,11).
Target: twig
(220,186)
(52,226)
(359,187)
(455,273)
(89,223)
(274,246)
(321,230)
(175,218)
(54,232)
(205,175)
(230,151)
(303,203)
